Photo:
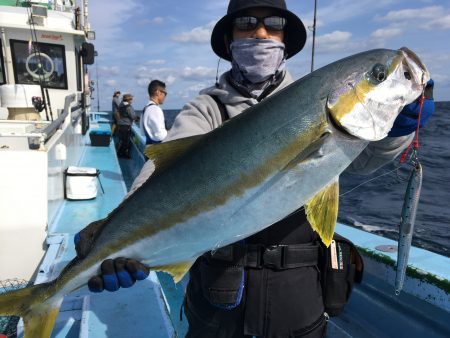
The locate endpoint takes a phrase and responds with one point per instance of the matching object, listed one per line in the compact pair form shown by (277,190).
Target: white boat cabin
(44,115)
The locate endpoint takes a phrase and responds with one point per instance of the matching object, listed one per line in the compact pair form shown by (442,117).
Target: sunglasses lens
(246,23)
(249,23)
(274,23)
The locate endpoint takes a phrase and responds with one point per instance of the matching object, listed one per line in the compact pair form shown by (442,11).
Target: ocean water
(376,203)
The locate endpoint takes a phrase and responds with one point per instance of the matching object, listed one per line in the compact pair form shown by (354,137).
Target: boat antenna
(86,25)
(314,35)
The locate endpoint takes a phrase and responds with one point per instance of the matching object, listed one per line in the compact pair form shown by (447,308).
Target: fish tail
(35,305)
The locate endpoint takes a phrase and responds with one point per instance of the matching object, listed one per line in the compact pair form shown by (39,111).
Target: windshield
(36,63)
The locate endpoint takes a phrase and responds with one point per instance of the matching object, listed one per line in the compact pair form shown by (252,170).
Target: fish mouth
(416,67)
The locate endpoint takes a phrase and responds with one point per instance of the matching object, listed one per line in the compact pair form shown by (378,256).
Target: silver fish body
(406,228)
(214,189)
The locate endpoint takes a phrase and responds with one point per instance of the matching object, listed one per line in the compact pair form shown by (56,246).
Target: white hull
(31,182)
(37,145)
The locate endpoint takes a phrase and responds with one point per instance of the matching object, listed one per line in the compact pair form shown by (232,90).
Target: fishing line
(372,179)
(396,169)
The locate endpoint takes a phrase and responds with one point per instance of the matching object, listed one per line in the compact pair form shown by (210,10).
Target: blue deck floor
(133,313)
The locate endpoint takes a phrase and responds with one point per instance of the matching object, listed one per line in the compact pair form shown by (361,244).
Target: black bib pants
(275,302)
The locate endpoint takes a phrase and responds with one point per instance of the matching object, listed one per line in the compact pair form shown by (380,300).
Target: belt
(278,257)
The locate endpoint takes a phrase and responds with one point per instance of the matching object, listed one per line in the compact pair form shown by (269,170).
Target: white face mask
(256,60)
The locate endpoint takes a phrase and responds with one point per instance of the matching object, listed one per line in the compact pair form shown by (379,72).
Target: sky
(141,40)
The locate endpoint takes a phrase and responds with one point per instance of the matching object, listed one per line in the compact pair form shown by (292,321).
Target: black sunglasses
(249,23)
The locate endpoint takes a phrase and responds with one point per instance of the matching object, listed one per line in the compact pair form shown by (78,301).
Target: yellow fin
(40,320)
(162,154)
(322,210)
(177,271)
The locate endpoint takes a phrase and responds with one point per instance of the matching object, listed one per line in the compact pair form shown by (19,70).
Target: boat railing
(39,132)
(56,124)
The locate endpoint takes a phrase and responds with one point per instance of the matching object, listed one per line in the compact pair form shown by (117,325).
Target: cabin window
(39,63)
(2,65)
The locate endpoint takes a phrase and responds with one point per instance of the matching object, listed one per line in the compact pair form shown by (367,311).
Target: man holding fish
(231,293)
(257,194)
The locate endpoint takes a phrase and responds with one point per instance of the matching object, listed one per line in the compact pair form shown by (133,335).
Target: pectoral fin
(177,271)
(322,211)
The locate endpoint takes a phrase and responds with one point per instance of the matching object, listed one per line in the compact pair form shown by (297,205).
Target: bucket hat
(294,32)
(127,97)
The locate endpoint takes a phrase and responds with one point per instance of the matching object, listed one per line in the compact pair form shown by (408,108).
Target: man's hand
(114,274)
(117,273)
(84,240)
(406,121)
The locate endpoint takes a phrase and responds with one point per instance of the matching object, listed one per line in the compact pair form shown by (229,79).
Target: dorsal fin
(163,154)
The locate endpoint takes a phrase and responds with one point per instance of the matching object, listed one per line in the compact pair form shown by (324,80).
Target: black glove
(120,272)
(84,240)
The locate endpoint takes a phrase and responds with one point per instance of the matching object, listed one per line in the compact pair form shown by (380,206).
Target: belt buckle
(273,256)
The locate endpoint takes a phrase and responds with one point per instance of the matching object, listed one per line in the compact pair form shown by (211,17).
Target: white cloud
(111,83)
(413,14)
(438,23)
(334,41)
(196,35)
(190,91)
(136,45)
(344,10)
(145,74)
(198,73)
(158,20)
(433,17)
(386,33)
(109,71)
(155,62)
(106,26)
(170,79)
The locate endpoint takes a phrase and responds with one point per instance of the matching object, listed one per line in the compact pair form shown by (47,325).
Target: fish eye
(379,72)
(407,75)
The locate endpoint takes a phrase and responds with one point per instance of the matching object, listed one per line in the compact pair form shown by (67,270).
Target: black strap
(223,110)
(148,105)
(278,257)
(281,256)
(99,181)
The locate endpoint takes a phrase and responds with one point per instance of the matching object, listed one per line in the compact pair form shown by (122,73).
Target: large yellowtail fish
(214,189)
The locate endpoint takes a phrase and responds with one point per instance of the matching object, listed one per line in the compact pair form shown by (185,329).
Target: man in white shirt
(152,120)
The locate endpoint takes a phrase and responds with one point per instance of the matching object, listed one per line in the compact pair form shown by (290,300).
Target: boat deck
(152,307)
(129,313)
